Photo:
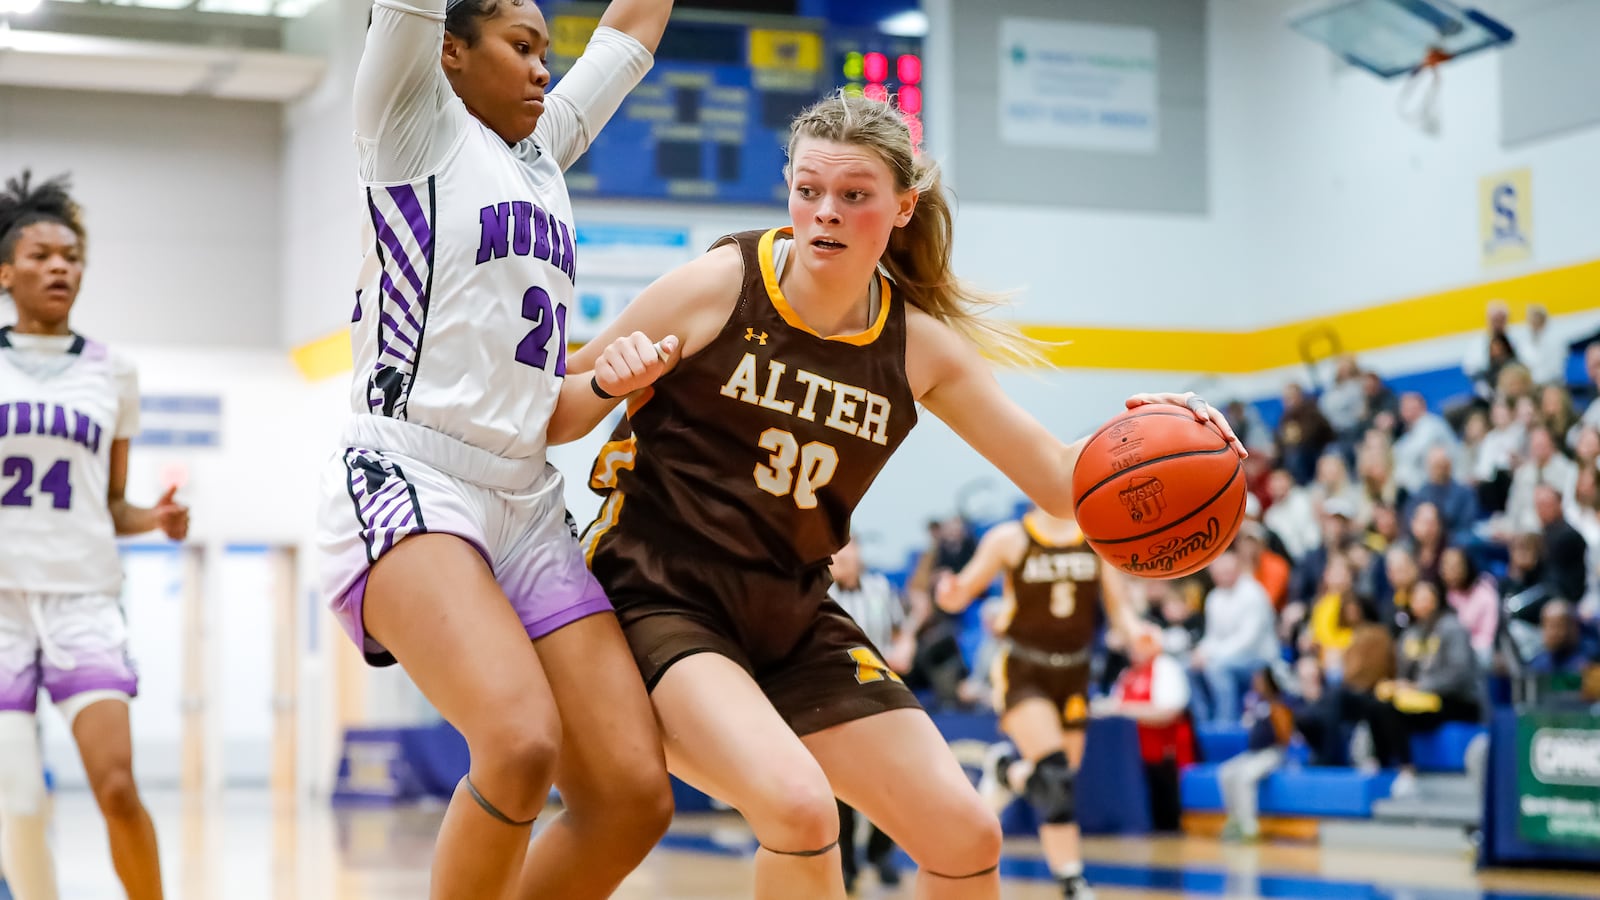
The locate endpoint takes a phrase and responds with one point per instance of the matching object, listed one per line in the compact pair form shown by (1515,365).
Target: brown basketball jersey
(759,446)
(1054,595)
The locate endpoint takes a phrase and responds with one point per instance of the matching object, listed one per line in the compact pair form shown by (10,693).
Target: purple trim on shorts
(588,606)
(21,697)
(348,607)
(80,681)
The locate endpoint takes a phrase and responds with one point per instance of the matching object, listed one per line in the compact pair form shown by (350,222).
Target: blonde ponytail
(918,256)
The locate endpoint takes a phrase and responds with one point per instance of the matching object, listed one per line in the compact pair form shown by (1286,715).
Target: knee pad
(22,790)
(489,808)
(1052,790)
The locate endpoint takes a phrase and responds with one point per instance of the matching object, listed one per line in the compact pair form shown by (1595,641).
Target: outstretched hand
(172,517)
(944,591)
(632,362)
(1203,412)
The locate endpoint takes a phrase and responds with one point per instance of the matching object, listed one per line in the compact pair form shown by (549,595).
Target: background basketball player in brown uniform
(734,479)
(1054,588)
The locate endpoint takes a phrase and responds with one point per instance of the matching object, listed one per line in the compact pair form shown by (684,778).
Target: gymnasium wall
(1323,204)
(180,197)
(1357,209)
(225,234)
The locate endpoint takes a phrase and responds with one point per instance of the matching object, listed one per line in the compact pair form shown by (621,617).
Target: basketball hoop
(1419,95)
(1404,39)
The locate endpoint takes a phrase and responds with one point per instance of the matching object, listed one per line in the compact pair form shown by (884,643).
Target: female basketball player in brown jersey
(800,373)
(1054,584)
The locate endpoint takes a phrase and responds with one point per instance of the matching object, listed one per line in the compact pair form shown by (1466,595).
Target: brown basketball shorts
(804,652)
(1017,678)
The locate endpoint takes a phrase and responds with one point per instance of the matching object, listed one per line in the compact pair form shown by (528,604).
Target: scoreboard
(710,123)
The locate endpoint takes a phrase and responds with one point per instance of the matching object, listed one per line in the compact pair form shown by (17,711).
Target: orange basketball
(1159,494)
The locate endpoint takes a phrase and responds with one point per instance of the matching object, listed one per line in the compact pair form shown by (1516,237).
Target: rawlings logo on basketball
(1169,555)
(1126,462)
(1143,500)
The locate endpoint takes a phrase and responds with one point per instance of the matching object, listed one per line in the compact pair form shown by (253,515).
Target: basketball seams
(1184,454)
(1137,413)
(1193,465)
(1176,522)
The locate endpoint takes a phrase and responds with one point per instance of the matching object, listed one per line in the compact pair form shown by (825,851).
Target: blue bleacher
(1317,791)
(1312,791)
(1220,742)
(1442,750)
(1445,750)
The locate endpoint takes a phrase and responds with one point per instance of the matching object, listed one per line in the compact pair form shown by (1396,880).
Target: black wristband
(598,390)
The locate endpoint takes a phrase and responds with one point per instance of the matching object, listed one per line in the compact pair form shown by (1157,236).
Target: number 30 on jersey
(795,470)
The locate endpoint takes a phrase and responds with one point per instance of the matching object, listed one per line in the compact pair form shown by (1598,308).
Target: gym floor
(242,848)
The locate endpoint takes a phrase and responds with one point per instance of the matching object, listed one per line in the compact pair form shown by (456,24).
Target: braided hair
(22,204)
(464,18)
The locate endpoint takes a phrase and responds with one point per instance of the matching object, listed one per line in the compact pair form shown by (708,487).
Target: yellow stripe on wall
(1564,290)
(324,357)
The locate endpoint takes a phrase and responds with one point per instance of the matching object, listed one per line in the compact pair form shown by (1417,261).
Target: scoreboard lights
(710,122)
(869,75)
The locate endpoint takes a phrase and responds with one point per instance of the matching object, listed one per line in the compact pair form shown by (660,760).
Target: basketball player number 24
(794,469)
(57,482)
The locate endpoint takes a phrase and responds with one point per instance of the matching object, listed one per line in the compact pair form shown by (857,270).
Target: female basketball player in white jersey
(446,544)
(68,407)
(801,372)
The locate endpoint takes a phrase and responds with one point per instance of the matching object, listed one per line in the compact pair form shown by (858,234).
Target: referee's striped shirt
(874,605)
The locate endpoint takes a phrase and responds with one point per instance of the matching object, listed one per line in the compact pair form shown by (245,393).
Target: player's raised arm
(400,90)
(643,20)
(616,60)
(999,548)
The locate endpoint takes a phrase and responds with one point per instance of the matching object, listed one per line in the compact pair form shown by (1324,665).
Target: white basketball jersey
(461,317)
(63,401)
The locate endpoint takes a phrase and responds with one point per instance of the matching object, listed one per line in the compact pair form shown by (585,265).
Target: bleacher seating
(1443,750)
(1311,791)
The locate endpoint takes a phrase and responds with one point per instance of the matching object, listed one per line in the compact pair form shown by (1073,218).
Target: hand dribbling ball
(1159,493)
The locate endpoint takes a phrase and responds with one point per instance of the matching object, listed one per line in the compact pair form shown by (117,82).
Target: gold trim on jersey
(769,273)
(1008,608)
(1027,525)
(614,457)
(603,522)
(997,678)
(638,400)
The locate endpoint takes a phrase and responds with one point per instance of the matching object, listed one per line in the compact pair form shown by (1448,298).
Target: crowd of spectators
(1405,559)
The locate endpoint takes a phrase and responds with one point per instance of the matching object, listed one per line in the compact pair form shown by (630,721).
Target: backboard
(1391,38)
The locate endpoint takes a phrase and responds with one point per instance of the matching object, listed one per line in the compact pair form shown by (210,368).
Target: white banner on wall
(644,252)
(1080,86)
(615,263)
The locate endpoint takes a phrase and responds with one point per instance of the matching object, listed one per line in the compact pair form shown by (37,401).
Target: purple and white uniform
(459,332)
(63,401)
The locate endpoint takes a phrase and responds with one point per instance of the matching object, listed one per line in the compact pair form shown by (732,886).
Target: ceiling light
(913,23)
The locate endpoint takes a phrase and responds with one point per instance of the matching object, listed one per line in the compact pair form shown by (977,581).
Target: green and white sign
(1078,85)
(1558,778)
